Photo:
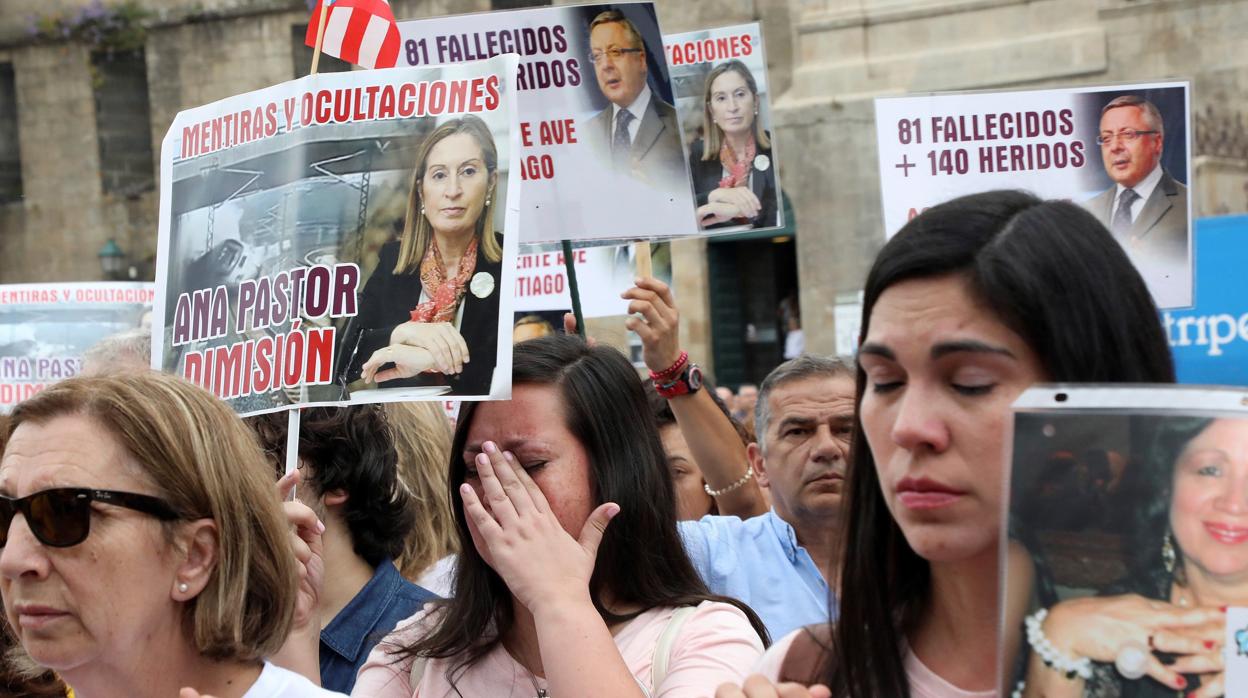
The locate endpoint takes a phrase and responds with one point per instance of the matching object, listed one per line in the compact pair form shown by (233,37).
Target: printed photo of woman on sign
(1138,527)
(720,78)
(356,253)
(429,313)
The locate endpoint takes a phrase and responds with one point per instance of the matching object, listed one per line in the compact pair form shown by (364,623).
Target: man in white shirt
(1146,209)
(638,132)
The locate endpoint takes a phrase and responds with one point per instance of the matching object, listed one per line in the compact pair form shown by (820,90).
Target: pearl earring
(422,209)
(184,587)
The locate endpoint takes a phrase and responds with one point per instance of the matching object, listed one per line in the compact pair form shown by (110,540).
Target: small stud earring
(184,587)
(422,209)
(487,201)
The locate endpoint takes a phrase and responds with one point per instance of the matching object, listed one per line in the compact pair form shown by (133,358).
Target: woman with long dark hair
(970,303)
(572,578)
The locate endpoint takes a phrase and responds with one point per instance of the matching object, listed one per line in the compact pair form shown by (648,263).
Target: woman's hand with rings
(521,538)
(758,686)
(741,197)
(659,324)
(408,361)
(443,342)
(1102,628)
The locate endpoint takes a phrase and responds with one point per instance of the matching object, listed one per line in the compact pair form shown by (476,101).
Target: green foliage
(115,28)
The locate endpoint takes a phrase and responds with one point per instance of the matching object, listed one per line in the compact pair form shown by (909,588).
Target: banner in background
(1210,341)
(45,329)
(937,147)
(723,98)
(586,174)
(293,231)
(602,274)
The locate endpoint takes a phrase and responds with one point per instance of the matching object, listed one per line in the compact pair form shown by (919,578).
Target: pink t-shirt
(715,645)
(924,683)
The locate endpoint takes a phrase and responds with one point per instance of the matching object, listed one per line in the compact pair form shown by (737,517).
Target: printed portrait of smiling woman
(1159,629)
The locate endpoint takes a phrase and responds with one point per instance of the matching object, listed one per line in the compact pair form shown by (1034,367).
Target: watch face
(695,378)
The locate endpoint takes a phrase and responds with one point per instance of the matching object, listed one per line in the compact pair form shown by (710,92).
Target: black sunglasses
(62,517)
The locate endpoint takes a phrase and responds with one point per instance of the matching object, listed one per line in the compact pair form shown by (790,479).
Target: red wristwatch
(687,383)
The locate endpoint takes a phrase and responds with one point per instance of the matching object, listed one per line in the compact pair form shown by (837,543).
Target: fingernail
(320,526)
(1208,644)
(1222,608)
(509,456)
(489,447)
(483,459)
(1180,682)
(613,510)
(465,489)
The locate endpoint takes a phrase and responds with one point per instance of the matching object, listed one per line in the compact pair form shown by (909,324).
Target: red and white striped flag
(362,32)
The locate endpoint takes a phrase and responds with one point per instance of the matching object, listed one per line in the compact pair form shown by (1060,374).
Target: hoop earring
(1168,557)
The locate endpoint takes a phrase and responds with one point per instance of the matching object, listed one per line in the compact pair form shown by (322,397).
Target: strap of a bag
(663,649)
(417,673)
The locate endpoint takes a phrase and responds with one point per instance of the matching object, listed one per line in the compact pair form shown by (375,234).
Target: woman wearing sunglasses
(143,547)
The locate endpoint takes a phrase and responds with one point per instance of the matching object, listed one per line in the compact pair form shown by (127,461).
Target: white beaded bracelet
(749,473)
(1050,655)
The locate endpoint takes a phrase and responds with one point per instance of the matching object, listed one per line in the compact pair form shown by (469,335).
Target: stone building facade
(72,126)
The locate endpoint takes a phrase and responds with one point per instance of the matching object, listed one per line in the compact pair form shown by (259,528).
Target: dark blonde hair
(202,459)
(416,229)
(713,133)
(422,442)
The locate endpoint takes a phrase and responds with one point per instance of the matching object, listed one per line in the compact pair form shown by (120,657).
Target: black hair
(1054,275)
(641,560)
(350,449)
(1157,444)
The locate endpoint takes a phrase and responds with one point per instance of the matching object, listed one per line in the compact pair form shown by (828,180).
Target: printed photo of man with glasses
(638,133)
(1146,208)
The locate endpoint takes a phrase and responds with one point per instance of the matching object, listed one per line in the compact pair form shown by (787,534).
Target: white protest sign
(1085,145)
(299,227)
(587,173)
(602,273)
(724,100)
(46,328)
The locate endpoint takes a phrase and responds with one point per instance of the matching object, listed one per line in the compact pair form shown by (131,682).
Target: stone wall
(845,54)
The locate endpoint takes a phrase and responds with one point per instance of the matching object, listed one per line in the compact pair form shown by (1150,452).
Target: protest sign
(1210,341)
(1125,504)
(603,273)
(586,173)
(45,329)
(298,239)
(723,98)
(937,147)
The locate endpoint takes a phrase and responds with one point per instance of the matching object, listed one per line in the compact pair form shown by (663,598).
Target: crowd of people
(835,531)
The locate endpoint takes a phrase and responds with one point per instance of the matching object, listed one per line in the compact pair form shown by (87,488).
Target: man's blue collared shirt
(345,643)
(759,561)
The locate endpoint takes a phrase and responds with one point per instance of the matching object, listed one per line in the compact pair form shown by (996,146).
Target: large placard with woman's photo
(724,100)
(1123,152)
(1130,506)
(600,146)
(344,237)
(46,330)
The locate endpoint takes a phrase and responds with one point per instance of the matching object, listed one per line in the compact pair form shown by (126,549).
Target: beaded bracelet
(749,473)
(671,371)
(1051,656)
